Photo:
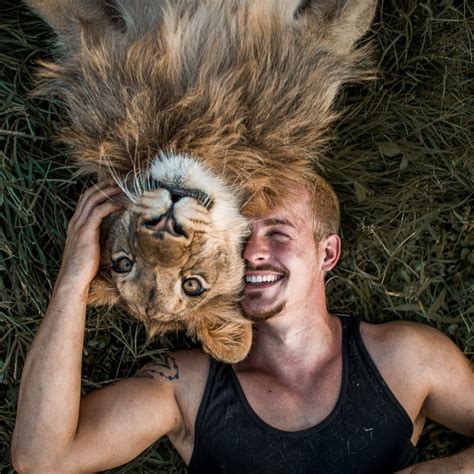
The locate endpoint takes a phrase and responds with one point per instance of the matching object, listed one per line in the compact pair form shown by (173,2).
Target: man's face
(282,261)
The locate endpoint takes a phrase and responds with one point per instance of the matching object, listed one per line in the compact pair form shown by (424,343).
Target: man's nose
(256,250)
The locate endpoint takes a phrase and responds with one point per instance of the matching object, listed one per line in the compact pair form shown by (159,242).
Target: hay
(401,162)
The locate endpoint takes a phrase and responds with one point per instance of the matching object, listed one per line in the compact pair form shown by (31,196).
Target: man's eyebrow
(276,221)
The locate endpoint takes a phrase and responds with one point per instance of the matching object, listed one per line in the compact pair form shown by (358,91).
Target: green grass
(401,161)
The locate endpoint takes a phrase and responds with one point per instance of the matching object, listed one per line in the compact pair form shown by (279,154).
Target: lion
(205,113)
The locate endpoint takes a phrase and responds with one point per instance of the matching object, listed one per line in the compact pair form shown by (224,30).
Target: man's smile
(261,280)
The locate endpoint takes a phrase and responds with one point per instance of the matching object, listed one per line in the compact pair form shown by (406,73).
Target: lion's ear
(339,23)
(102,292)
(225,334)
(72,20)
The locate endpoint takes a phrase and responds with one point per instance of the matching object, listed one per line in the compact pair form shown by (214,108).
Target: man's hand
(82,252)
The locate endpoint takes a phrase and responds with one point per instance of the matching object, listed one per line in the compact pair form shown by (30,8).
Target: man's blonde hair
(324,206)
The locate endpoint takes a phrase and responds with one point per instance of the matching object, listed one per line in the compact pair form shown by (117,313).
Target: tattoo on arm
(166,368)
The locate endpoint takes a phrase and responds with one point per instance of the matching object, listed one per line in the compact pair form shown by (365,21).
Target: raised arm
(55,431)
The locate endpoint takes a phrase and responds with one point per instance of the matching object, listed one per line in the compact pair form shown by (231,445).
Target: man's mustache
(267,268)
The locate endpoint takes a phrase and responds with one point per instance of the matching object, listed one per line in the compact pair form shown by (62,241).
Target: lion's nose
(165,223)
(175,197)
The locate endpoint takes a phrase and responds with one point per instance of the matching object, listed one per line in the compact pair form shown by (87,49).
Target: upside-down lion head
(172,257)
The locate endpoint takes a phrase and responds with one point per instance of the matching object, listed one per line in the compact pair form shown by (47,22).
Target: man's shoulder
(404,332)
(183,375)
(409,342)
(185,365)
(193,362)
(425,370)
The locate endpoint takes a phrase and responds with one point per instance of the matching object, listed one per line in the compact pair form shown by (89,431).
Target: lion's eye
(192,286)
(122,265)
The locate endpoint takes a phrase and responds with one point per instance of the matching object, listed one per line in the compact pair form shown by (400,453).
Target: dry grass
(401,161)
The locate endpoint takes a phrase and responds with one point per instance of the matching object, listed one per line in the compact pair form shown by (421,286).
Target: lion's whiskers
(116,178)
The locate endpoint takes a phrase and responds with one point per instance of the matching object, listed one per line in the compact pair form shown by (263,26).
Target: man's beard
(264,315)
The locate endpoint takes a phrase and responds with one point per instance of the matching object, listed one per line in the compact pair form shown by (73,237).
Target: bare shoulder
(185,372)
(425,370)
(184,366)
(398,329)
(416,350)
(410,338)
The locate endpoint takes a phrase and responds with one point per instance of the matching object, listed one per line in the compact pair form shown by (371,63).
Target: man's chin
(262,314)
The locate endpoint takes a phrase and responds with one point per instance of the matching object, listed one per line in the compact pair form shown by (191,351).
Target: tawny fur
(247,90)
(245,87)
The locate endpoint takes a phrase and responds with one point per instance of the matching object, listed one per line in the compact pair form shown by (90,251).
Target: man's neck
(301,340)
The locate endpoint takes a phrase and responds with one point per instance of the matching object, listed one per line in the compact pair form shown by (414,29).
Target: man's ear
(339,23)
(103,292)
(331,248)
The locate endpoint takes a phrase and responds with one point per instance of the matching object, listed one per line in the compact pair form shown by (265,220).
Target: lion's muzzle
(165,223)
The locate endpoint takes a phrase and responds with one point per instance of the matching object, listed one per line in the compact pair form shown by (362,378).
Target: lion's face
(173,256)
(167,256)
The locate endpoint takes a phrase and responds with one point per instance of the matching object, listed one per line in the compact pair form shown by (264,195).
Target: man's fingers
(97,198)
(82,250)
(97,214)
(95,191)
(89,201)
(89,192)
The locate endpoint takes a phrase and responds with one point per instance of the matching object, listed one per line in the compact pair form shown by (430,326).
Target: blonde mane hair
(245,86)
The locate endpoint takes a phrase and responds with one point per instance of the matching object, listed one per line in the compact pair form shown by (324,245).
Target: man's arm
(450,402)
(55,431)
(460,463)
(450,399)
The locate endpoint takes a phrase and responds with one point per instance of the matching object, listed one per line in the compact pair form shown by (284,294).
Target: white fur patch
(182,171)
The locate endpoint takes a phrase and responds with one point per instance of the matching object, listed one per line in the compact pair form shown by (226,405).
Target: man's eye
(192,286)
(122,265)
(281,235)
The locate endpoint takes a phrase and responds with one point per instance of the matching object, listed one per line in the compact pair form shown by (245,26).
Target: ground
(401,161)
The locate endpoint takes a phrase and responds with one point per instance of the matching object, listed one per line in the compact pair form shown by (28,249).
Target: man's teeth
(261,278)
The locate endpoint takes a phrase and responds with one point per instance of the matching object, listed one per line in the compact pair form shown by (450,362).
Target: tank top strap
(347,319)
(349,325)
(211,376)
(360,353)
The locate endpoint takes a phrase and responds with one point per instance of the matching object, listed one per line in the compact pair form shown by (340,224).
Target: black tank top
(368,431)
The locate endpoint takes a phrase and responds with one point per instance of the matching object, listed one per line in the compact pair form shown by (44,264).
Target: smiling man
(289,248)
(318,392)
